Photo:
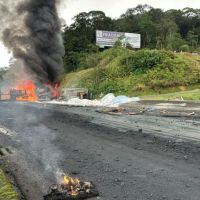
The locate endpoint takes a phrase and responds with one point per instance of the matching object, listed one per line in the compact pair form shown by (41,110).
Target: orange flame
(28,89)
(72,184)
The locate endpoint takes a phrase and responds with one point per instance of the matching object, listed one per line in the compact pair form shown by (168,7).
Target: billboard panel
(109,38)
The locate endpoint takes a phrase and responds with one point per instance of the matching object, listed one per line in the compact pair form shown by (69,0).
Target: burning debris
(72,189)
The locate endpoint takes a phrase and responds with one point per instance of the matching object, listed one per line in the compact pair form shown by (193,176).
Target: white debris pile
(82,102)
(107,101)
(111,101)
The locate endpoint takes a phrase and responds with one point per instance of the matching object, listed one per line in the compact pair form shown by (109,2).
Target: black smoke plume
(31,30)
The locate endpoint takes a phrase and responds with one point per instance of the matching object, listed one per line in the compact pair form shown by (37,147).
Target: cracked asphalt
(124,165)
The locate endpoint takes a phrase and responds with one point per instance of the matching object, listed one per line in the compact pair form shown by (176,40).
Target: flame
(28,89)
(54,89)
(73,184)
(77,181)
(66,180)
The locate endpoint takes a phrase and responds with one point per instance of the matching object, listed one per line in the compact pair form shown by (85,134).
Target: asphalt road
(123,165)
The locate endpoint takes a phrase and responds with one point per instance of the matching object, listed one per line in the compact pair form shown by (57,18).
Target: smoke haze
(31,30)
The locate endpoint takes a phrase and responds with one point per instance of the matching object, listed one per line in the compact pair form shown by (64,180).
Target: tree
(79,37)
(172,30)
(82,32)
(166,30)
(192,39)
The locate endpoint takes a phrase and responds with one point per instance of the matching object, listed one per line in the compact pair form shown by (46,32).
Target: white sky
(4,56)
(112,8)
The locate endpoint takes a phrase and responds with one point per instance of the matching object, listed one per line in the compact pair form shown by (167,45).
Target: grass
(6,190)
(71,80)
(186,95)
(145,73)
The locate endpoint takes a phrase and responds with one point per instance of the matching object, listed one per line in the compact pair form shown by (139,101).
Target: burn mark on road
(8,150)
(1,153)
(5,151)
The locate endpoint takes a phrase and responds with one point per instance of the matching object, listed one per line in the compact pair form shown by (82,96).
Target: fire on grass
(71,188)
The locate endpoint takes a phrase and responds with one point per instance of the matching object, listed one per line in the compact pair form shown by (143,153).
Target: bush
(90,61)
(185,48)
(148,71)
(171,73)
(144,60)
(198,50)
(78,61)
(73,61)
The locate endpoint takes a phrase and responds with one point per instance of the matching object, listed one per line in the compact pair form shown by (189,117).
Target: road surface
(124,165)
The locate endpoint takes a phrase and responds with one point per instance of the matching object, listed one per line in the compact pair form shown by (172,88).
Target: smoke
(31,30)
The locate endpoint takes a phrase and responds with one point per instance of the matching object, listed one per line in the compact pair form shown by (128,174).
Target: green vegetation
(141,73)
(175,30)
(6,190)
(161,67)
(186,95)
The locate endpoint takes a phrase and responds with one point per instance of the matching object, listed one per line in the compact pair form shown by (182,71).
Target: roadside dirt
(14,192)
(124,165)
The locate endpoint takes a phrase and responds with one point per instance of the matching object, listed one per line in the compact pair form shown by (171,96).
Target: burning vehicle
(32,31)
(28,91)
(25,91)
(72,189)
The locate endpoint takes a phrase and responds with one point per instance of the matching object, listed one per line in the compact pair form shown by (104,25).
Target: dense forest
(176,30)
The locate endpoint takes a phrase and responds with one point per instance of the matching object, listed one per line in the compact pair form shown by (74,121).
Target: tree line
(176,30)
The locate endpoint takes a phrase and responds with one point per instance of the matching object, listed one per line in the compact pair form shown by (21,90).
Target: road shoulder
(7,191)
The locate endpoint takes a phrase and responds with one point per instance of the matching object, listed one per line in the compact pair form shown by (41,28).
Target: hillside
(141,73)
(175,30)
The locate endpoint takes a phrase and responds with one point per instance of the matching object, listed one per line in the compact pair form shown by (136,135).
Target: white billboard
(109,38)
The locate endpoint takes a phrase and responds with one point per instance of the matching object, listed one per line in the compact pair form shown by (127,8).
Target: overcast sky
(4,56)
(112,8)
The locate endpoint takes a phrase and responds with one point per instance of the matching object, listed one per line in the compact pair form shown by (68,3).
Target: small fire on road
(72,189)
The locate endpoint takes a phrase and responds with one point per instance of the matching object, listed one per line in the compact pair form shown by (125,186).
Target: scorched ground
(123,166)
